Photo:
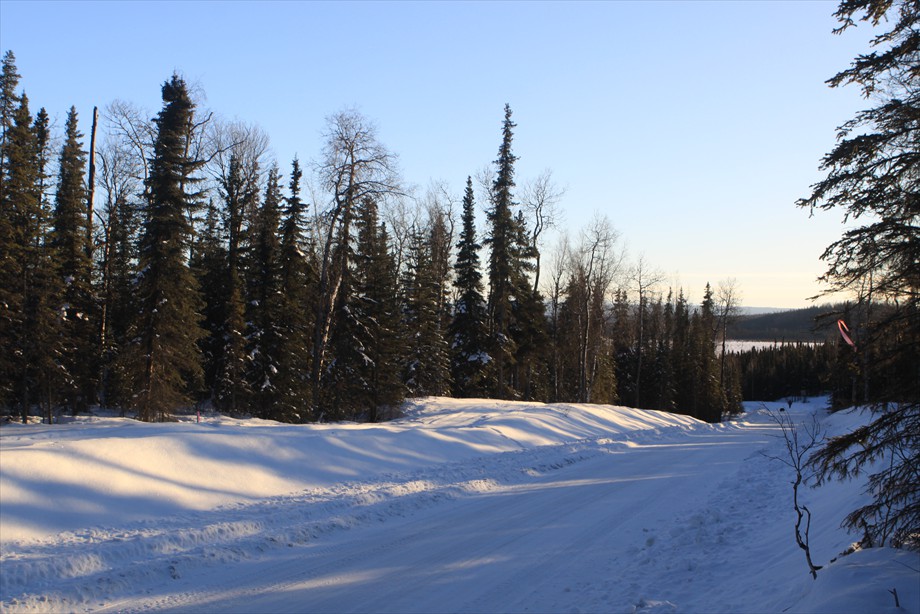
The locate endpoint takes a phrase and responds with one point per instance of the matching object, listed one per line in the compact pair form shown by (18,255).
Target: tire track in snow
(507,549)
(310,519)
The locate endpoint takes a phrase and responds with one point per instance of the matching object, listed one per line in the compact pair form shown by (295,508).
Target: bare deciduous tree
(401,215)
(728,303)
(540,198)
(800,440)
(354,166)
(644,279)
(485,181)
(442,222)
(244,146)
(131,126)
(595,263)
(558,264)
(121,180)
(248,143)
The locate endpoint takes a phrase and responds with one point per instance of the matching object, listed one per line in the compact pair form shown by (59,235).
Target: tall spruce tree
(72,254)
(664,387)
(528,326)
(297,285)
(501,241)
(48,327)
(624,347)
(164,361)
(263,335)
(468,332)
(209,262)
(439,237)
(9,293)
(31,331)
(41,128)
(872,176)
(240,193)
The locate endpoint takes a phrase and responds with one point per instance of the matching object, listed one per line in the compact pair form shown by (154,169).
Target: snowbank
(113,471)
(100,512)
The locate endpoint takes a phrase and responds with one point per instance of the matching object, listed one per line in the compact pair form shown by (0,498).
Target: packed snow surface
(461,506)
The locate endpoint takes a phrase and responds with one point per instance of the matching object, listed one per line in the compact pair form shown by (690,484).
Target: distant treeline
(825,363)
(802,359)
(787,370)
(807,324)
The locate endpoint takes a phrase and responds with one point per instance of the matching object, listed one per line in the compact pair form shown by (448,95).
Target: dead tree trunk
(91,183)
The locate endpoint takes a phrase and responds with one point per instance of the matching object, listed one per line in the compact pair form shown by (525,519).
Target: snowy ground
(463,506)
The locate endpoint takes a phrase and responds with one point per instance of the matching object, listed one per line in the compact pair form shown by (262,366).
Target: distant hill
(788,325)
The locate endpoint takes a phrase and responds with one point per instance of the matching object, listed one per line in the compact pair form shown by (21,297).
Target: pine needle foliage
(873,177)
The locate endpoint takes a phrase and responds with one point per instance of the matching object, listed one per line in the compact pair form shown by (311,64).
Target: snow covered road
(513,547)
(463,506)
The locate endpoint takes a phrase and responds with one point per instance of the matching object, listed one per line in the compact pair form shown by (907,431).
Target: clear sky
(693,126)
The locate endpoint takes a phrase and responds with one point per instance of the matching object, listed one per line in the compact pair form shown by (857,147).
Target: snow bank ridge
(75,569)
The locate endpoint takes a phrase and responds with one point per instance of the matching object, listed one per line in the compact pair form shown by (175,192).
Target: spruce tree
(527,327)
(439,237)
(297,287)
(501,240)
(209,263)
(708,402)
(30,322)
(264,318)
(164,361)
(379,294)
(9,101)
(664,386)
(48,327)
(364,379)
(470,361)
(872,177)
(427,369)
(72,254)
(9,288)
(240,195)
(686,368)
(624,347)
(41,129)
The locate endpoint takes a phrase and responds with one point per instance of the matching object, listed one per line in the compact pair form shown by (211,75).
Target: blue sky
(693,126)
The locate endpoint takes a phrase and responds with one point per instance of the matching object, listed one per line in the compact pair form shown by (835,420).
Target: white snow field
(462,506)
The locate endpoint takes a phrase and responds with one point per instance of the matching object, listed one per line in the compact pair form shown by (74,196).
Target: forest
(174,265)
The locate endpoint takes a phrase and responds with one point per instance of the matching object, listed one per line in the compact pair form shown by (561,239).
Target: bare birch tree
(644,279)
(728,303)
(595,263)
(354,166)
(540,197)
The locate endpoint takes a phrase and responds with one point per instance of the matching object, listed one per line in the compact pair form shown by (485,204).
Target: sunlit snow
(461,506)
